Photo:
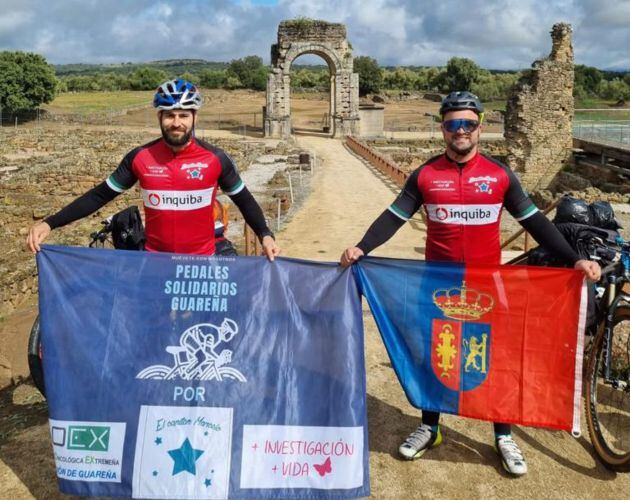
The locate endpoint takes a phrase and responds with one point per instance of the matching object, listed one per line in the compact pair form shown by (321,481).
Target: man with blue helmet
(178,176)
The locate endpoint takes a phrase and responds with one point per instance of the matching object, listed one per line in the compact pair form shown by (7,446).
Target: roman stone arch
(328,41)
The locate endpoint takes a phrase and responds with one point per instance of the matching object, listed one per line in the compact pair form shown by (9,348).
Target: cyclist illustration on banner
(196,356)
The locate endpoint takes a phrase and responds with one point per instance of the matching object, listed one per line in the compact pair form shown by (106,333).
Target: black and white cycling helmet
(461,100)
(177,94)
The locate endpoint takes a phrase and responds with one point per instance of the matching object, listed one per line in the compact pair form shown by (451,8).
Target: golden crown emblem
(463,303)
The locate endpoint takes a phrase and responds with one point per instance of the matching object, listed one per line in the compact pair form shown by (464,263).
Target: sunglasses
(466,125)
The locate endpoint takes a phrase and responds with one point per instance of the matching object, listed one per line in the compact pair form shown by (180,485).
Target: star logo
(184,458)
(195,174)
(194,170)
(158,440)
(484,187)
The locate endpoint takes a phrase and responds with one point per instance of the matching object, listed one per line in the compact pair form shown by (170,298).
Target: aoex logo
(154,199)
(84,437)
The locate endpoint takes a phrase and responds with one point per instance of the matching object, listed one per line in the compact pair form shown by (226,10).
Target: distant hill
(171,66)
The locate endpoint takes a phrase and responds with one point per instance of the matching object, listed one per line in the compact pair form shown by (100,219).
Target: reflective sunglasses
(466,125)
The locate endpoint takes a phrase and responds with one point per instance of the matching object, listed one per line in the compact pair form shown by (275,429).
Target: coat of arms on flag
(460,347)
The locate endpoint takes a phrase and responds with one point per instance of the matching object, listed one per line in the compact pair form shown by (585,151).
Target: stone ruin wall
(48,171)
(539,115)
(311,31)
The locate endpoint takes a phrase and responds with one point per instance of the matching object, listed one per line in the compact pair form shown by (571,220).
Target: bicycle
(607,374)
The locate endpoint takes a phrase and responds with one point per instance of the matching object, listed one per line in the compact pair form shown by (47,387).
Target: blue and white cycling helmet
(177,94)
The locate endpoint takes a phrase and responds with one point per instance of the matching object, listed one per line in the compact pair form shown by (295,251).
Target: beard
(172,140)
(461,151)
(464,149)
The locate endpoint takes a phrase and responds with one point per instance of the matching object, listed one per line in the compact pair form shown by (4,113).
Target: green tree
(426,79)
(249,71)
(494,86)
(146,78)
(400,79)
(461,73)
(304,79)
(613,90)
(212,79)
(26,81)
(81,83)
(370,75)
(111,81)
(233,82)
(259,79)
(587,80)
(187,75)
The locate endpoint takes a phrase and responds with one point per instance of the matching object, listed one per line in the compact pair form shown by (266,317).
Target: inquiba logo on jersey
(460,347)
(472,215)
(177,200)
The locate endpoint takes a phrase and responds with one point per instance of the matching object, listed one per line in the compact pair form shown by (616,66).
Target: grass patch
(495,105)
(593,103)
(603,116)
(94,102)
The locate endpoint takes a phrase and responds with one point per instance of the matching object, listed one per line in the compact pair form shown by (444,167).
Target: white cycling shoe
(511,456)
(420,441)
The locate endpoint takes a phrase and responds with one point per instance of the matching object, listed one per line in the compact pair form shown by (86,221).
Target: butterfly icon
(324,468)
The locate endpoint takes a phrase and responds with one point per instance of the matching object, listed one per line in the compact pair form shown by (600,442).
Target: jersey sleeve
(123,177)
(516,200)
(229,180)
(409,200)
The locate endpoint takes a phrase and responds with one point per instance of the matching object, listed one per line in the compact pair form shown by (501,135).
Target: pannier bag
(127,229)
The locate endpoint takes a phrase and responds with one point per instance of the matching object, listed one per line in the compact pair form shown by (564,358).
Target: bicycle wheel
(608,403)
(35,357)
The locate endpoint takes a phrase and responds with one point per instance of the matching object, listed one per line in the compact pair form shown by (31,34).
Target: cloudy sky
(501,34)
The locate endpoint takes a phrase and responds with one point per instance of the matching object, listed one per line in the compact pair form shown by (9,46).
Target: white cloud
(13,21)
(496,34)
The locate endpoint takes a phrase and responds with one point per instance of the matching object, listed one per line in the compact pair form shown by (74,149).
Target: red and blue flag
(499,343)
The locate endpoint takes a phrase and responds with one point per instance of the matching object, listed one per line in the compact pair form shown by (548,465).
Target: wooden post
(290,187)
(279,213)
(252,245)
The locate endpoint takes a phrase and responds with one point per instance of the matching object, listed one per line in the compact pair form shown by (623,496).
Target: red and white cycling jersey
(463,204)
(178,190)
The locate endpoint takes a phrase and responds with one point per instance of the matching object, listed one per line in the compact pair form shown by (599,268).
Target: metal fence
(9,119)
(615,133)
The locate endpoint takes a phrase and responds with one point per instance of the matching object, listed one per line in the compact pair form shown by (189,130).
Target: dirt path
(346,197)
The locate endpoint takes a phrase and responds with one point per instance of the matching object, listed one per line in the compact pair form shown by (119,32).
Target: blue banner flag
(500,343)
(181,376)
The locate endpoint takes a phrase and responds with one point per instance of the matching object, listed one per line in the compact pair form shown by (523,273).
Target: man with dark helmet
(463,177)
(178,176)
